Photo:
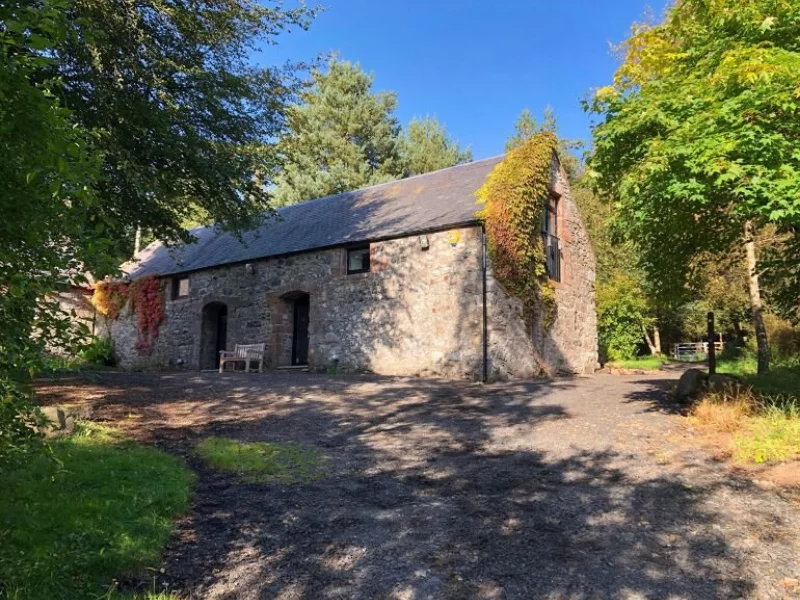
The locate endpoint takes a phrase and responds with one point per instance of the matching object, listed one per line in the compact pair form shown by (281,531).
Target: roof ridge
(369,187)
(393,181)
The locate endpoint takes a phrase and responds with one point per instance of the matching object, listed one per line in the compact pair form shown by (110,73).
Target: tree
(112,114)
(426,147)
(47,175)
(698,137)
(183,120)
(527,126)
(341,136)
(524,129)
(783,274)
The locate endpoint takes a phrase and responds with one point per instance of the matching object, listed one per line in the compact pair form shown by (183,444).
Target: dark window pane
(358,260)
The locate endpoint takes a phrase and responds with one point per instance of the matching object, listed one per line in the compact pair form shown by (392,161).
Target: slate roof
(428,202)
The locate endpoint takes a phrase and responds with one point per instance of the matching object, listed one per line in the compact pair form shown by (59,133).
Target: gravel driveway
(574,488)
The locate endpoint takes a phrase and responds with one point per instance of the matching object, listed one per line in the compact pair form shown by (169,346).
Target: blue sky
(475,64)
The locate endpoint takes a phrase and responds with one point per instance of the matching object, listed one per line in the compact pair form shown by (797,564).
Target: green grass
(640,362)
(773,435)
(261,462)
(783,378)
(770,429)
(67,532)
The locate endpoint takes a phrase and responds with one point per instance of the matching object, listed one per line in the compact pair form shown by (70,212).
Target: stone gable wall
(569,345)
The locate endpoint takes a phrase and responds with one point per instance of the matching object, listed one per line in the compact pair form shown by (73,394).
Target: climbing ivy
(110,297)
(147,301)
(514,196)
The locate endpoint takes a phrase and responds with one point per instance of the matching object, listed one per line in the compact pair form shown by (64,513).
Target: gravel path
(568,489)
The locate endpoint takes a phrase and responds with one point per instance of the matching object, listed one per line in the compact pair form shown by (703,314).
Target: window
(550,241)
(180,287)
(550,216)
(358,260)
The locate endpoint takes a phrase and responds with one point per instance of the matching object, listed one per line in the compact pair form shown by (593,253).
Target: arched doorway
(213,334)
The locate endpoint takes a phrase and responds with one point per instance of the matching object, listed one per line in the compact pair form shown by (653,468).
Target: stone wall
(418,311)
(569,345)
(74,303)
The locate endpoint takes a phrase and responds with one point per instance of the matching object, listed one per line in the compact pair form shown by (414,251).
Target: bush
(784,339)
(99,352)
(20,423)
(621,318)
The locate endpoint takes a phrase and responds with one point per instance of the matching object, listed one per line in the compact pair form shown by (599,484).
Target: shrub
(99,352)
(784,338)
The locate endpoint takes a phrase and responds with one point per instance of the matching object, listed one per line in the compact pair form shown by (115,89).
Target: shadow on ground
(435,490)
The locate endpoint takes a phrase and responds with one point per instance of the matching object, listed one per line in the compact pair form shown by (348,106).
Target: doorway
(213,334)
(302,307)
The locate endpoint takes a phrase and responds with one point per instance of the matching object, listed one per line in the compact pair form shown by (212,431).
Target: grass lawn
(256,462)
(781,379)
(106,512)
(640,362)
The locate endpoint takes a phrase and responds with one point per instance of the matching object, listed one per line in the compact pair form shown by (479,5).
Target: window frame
(551,243)
(176,287)
(365,268)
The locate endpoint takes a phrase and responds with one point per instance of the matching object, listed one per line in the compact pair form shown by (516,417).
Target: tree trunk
(649,341)
(755,299)
(657,338)
(137,241)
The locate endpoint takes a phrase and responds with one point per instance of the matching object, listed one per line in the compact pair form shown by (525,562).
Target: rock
(63,418)
(55,415)
(691,384)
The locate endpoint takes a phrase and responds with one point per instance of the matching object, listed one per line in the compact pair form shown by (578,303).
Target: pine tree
(341,136)
(524,129)
(527,126)
(428,147)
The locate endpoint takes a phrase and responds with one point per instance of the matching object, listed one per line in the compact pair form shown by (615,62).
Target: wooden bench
(246,353)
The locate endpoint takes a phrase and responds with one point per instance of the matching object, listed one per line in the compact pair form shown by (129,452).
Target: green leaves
(513,197)
(113,114)
(622,316)
(699,132)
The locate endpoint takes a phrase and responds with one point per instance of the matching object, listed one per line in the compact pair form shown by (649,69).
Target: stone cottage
(392,279)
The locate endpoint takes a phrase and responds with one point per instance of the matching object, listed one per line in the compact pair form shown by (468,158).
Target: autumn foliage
(110,297)
(147,301)
(514,197)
